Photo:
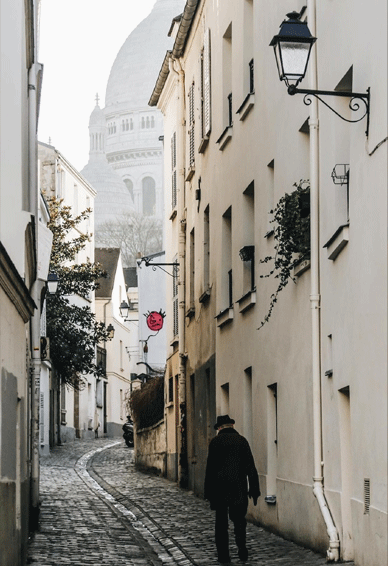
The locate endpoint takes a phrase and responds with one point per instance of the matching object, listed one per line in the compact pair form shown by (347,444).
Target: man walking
(229,464)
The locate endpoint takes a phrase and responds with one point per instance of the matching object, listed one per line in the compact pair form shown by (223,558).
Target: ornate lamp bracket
(354,103)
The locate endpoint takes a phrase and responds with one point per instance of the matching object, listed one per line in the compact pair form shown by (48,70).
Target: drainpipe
(36,291)
(177,69)
(315,303)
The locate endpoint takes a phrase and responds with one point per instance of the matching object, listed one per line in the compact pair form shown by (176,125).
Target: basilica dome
(136,67)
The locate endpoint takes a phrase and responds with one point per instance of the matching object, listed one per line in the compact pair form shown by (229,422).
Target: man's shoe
(243,554)
(224,559)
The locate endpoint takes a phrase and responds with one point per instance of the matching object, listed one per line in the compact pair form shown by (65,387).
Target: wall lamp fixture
(52,283)
(292,47)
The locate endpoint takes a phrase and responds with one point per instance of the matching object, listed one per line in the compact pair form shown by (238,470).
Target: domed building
(125,158)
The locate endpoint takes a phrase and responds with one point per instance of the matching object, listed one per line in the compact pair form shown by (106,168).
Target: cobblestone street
(98,510)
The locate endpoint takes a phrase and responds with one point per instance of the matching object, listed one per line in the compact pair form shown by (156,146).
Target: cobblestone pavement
(98,510)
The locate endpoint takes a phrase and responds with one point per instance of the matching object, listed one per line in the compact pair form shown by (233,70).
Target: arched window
(131,124)
(92,142)
(126,125)
(152,122)
(149,196)
(114,127)
(129,185)
(142,122)
(148,122)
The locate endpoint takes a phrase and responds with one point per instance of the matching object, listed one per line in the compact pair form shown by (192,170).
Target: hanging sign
(155,320)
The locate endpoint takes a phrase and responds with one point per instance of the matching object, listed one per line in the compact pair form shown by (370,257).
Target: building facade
(23,275)
(121,354)
(235,144)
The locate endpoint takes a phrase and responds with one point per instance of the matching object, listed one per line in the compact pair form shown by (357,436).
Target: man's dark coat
(229,464)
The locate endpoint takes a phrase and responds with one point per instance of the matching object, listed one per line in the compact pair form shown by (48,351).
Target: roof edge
(177,50)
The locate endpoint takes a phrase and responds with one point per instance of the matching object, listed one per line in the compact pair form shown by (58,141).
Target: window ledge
(246,106)
(190,173)
(174,341)
(269,233)
(337,242)
(224,317)
(170,405)
(190,312)
(301,267)
(225,137)
(205,296)
(203,145)
(247,301)
(173,214)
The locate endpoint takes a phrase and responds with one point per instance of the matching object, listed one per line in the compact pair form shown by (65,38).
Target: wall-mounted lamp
(247,253)
(52,283)
(340,174)
(292,48)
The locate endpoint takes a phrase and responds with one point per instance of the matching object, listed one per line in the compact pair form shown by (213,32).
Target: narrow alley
(97,509)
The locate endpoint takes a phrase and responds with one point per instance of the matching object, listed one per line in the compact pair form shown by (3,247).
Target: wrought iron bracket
(353,103)
(154,265)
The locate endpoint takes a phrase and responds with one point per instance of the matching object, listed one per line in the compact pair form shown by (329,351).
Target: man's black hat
(223,420)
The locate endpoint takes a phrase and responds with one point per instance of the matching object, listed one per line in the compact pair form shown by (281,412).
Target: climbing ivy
(291,219)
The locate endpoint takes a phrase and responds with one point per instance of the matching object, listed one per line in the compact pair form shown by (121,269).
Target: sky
(79,41)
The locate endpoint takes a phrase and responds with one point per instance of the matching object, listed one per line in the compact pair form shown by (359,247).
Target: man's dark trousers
(236,514)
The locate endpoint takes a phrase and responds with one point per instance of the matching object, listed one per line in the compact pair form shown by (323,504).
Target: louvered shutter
(191,126)
(173,170)
(175,301)
(207,82)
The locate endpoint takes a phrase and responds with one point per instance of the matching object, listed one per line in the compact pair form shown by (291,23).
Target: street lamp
(52,283)
(292,47)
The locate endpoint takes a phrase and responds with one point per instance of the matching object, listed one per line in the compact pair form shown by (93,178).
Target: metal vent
(366,496)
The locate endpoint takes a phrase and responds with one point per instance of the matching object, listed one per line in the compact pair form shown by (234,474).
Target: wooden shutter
(207,83)
(191,127)
(173,171)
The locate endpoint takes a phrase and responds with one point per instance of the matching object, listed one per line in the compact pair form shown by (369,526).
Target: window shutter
(173,171)
(175,300)
(207,83)
(191,125)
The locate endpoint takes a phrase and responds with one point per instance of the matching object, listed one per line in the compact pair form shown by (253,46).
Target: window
(248,82)
(131,123)
(171,390)
(247,253)
(227,77)
(192,268)
(143,123)
(175,300)
(152,122)
(272,439)
(173,172)
(225,399)
(149,196)
(147,122)
(248,412)
(206,249)
(227,276)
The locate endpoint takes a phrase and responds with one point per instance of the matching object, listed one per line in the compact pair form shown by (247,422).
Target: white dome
(136,68)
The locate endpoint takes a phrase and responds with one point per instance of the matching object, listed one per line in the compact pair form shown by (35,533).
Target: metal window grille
(366,496)
(230,287)
(230,109)
(251,77)
(101,358)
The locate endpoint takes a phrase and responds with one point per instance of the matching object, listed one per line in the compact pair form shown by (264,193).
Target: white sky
(79,41)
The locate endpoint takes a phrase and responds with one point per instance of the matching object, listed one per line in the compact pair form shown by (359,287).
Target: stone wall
(150,448)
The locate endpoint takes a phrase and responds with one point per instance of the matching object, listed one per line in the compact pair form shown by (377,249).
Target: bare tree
(133,233)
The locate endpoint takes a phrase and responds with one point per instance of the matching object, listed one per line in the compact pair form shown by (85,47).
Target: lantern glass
(294,57)
(52,283)
(124,308)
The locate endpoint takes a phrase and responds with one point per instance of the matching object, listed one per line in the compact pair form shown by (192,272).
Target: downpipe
(333,552)
(176,67)
(36,292)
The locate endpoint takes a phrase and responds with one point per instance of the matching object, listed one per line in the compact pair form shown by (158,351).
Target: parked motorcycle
(128,432)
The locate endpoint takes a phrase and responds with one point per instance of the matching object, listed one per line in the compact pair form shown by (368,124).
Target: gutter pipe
(315,303)
(175,66)
(36,295)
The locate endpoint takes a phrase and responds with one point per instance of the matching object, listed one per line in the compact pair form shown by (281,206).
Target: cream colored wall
(353,286)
